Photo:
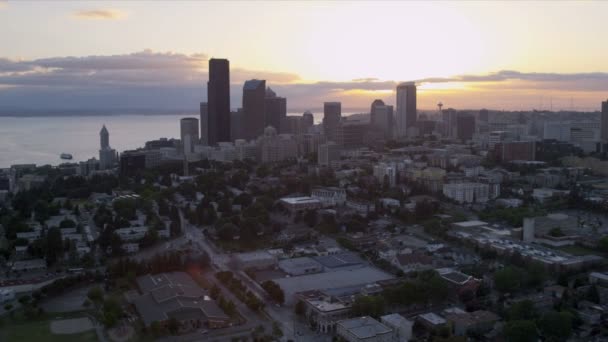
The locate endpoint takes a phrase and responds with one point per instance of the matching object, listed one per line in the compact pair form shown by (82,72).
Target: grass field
(40,331)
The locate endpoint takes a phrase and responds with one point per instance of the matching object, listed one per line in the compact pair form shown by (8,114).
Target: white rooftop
(299,200)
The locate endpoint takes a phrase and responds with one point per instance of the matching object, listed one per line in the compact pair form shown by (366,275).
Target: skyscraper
(104,137)
(465,126)
(276,109)
(372,111)
(204,109)
(254,108)
(107,156)
(449,122)
(188,134)
(332,115)
(308,121)
(218,102)
(604,122)
(381,118)
(406,108)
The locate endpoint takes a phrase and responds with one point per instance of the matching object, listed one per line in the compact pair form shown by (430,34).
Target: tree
(112,312)
(156,328)
(54,245)
(522,311)
(300,308)
(521,331)
(556,326)
(24,300)
(593,295)
(508,279)
(214,292)
(173,325)
(274,291)
(95,294)
(276,330)
(602,244)
(67,223)
(368,306)
(310,218)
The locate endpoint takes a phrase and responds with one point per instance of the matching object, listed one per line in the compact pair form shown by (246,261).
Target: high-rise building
(327,153)
(276,109)
(465,126)
(188,134)
(236,124)
(104,137)
(372,112)
(353,133)
(483,115)
(218,102)
(107,156)
(291,125)
(381,118)
(332,116)
(308,121)
(386,171)
(254,108)
(204,110)
(604,122)
(406,108)
(449,122)
(515,150)
(274,148)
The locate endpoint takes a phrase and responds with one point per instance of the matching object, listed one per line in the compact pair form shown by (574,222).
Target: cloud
(100,14)
(506,75)
(174,80)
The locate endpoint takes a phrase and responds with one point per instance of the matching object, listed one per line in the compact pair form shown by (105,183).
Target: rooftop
(433,318)
(328,280)
(339,260)
(364,327)
(299,200)
(468,224)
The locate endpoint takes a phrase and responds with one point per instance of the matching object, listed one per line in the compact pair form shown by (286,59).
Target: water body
(40,140)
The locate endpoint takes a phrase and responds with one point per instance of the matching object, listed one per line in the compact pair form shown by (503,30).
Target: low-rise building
(295,204)
(29,265)
(300,266)
(324,309)
(329,197)
(255,260)
(401,326)
(176,295)
(467,192)
(362,329)
(479,322)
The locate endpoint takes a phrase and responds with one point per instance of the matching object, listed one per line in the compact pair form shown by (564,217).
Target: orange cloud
(100,14)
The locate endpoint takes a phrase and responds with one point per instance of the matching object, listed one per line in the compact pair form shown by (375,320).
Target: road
(221,261)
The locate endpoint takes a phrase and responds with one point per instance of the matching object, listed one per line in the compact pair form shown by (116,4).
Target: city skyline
(471,55)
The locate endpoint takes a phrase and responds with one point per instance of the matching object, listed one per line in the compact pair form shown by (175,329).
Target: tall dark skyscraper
(406,108)
(104,137)
(604,122)
(204,123)
(465,126)
(372,111)
(332,115)
(276,109)
(218,102)
(483,115)
(308,120)
(254,108)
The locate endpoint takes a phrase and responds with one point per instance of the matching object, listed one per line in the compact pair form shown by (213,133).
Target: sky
(467,55)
